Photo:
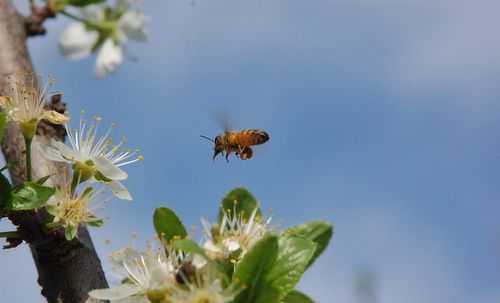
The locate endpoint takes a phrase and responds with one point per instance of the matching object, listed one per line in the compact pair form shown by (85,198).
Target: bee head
(217,147)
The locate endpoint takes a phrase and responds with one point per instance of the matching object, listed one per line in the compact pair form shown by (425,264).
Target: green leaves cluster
(270,269)
(25,196)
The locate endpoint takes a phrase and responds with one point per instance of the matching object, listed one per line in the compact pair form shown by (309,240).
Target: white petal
(94,12)
(119,190)
(51,154)
(66,151)
(76,41)
(108,57)
(231,244)
(108,169)
(131,26)
(120,292)
(199,261)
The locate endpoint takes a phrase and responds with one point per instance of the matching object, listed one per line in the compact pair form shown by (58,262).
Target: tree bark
(67,270)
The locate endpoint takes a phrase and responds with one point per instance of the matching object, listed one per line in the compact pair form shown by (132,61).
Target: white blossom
(92,156)
(104,32)
(25,98)
(205,287)
(234,232)
(108,57)
(70,209)
(76,41)
(144,271)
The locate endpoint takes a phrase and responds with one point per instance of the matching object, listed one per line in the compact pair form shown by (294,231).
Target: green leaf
(71,231)
(239,201)
(3,123)
(81,3)
(44,179)
(187,245)
(293,257)
(320,232)
(297,297)
(167,224)
(53,210)
(94,222)
(252,272)
(29,195)
(5,189)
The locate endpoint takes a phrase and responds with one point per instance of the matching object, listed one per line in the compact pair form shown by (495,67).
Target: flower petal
(119,190)
(231,244)
(108,57)
(66,151)
(76,42)
(117,293)
(51,153)
(108,169)
(94,12)
(131,26)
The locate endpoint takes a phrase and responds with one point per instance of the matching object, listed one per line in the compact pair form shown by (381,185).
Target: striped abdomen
(248,137)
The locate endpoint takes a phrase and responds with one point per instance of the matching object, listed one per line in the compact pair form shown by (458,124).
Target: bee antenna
(207,138)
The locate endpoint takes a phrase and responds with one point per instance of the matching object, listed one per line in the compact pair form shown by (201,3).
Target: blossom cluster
(94,164)
(239,258)
(103,29)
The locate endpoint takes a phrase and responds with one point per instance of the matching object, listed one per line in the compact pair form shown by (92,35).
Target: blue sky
(383,115)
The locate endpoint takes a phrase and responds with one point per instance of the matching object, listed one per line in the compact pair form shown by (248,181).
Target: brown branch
(67,269)
(33,23)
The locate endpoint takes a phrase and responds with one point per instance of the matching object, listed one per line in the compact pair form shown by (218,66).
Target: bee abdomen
(254,137)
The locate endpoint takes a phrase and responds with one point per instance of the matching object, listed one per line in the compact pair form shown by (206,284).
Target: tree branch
(67,269)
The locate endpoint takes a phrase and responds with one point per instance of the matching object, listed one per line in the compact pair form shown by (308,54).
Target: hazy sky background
(383,117)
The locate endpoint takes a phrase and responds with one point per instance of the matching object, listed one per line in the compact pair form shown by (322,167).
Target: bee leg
(227,155)
(240,152)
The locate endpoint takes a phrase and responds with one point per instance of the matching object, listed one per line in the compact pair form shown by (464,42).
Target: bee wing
(222,119)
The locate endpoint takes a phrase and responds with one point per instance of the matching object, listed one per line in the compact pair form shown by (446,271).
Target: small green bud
(158,296)
(82,171)
(28,128)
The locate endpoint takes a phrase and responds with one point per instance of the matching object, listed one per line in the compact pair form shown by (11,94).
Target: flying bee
(238,142)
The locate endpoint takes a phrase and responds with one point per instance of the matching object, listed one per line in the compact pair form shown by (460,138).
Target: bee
(238,142)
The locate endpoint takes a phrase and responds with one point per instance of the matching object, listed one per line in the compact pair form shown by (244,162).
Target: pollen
(140,158)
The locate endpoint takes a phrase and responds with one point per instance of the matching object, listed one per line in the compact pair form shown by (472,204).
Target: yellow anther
(140,158)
